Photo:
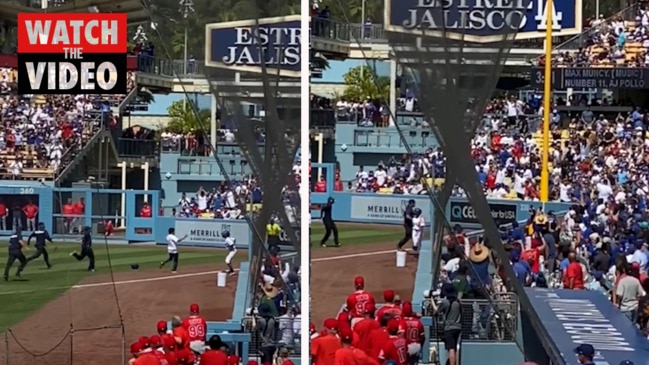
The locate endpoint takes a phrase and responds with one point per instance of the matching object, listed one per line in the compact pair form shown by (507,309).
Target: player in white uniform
(230,245)
(418,224)
(172,250)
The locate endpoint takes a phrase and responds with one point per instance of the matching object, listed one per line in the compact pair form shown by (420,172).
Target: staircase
(73,158)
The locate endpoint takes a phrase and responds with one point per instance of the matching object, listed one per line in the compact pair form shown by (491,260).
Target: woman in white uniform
(230,245)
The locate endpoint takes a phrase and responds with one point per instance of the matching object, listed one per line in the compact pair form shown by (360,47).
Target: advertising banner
(385,209)
(481,21)
(247,44)
(208,232)
(464,213)
(593,78)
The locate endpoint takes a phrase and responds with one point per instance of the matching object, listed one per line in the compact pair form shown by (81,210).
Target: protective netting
(451,64)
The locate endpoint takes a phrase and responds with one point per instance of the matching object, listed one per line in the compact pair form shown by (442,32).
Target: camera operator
(449,314)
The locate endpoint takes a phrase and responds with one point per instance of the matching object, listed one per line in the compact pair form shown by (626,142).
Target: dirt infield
(143,297)
(332,278)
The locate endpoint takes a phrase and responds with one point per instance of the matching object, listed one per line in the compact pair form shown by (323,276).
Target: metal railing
(322,118)
(484,320)
(133,147)
(286,334)
(170,68)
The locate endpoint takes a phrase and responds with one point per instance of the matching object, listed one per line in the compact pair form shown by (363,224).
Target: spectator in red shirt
(31,210)
(338,184)
(3,216)
(321,186)
(79,209)
(146,211)
(573,277)
(217,354)
(69,219)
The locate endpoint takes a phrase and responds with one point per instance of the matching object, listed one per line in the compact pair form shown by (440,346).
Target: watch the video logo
(72,53)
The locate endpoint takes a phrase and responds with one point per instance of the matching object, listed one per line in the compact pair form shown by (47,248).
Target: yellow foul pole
(547,97)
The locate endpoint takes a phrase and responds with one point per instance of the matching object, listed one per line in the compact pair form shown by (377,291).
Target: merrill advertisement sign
(481,20)
(593,78)
(464,213)
(246,45)
(383,209)
(208,232)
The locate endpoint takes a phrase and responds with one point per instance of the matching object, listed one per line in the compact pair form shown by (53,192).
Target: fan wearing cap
(396,347)
(379,336)
(323,347)
(196,327)
(217,353)
(313,331)
(364,327)
(157,349)
(414,331)
(585,354)
(359,300)
(350,355)
(390,306)
(170,349)
(450,311)
(140,357)
(181,337)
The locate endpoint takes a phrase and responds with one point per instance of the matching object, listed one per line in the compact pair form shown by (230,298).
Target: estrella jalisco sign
(482,21)
(245,45)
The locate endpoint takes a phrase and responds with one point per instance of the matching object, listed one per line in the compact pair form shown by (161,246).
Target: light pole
(186,8)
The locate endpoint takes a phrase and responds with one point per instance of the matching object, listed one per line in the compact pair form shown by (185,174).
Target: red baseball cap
(388,295)
(359,282)
(343,317)
(144,342)
(393,325)
(331,323)
(162,326)
(194,309)
(346,334)
(233,360)
(406,309)
(169,342)
(136,348)
(155,341)
(312,327)
(369,308)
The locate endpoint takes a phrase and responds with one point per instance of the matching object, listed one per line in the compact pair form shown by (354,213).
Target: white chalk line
(181,276)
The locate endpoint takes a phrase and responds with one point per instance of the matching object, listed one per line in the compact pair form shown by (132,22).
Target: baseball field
(42,307)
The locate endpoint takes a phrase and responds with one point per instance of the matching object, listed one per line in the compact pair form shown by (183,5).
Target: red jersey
(376,340)
(171,358)
(395,349)
(145,212)
(196,327)
(147,359)
(161,357)
(30,211)
(214,357)
(68,209)
(3,210)
(533,256)
(393,309)
(413,329)
(353,356)
(182,348)
(363,328)
(323,349)
(573,271)
(358,301)
(79,208)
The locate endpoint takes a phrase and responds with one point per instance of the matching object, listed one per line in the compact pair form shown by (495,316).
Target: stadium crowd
(41,133)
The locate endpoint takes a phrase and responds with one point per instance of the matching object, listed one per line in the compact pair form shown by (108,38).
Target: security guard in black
(407,224)
(86,249)
(42,236)
(16,245)
(329,224)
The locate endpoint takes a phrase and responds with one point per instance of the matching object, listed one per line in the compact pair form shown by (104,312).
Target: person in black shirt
(86,249)
(16,245)
(407,224)
(41,235)
(330,225)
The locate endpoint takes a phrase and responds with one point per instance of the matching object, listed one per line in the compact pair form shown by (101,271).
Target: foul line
(180,276)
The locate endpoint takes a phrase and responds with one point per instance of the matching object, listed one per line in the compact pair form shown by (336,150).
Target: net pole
(547,89)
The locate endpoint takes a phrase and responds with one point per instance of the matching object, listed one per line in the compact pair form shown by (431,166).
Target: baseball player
(407,224)
(418,224)
(16,245)
(86,249)
(41,235)
(329,224)
(230,245)
(196,327)
(172,250)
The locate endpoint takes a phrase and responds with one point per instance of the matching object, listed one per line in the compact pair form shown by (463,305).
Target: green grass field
(358,234)
(39,285)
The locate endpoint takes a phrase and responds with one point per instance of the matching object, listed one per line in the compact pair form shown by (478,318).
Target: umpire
(86,249)
(16,245)
(407,224)
(330,225)
(41,235)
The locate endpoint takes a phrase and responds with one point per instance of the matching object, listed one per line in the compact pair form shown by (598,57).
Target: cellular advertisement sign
(72,53)
(593,78)
(245,45)
(481,21)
